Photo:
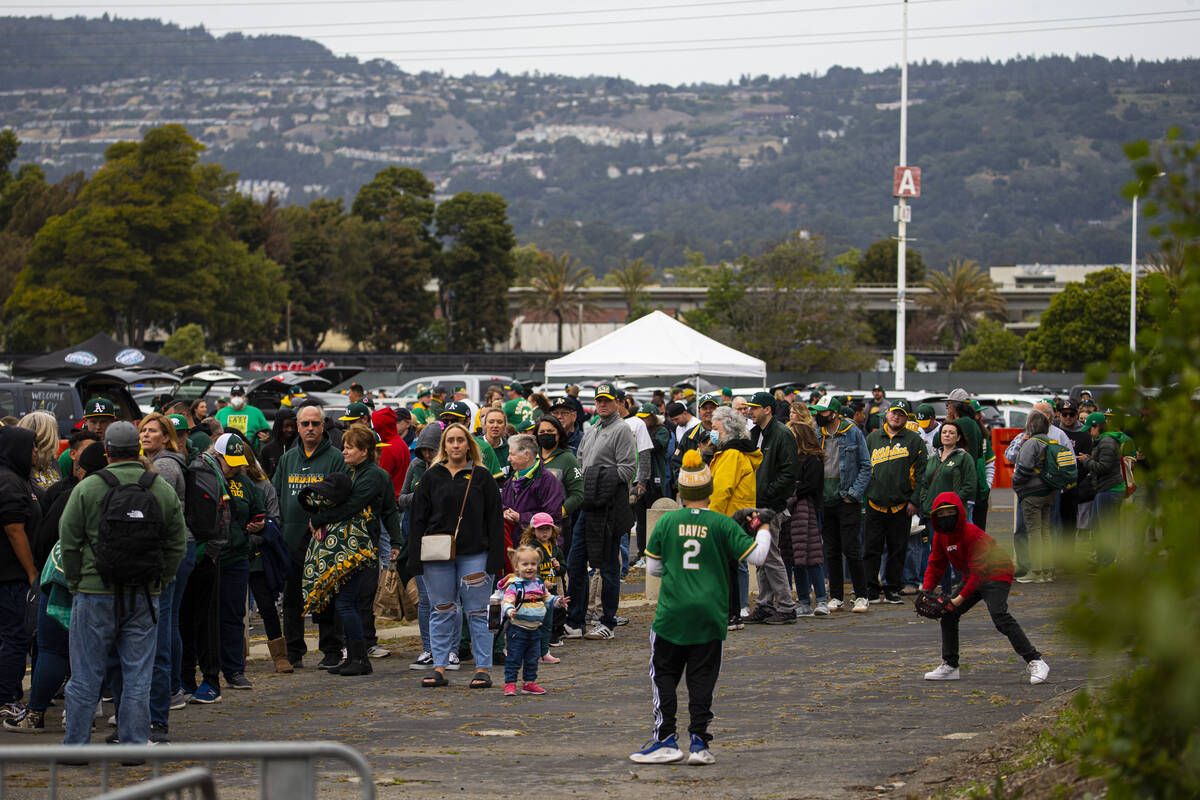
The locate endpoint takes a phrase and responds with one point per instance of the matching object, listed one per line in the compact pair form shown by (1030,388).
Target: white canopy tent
(656,344)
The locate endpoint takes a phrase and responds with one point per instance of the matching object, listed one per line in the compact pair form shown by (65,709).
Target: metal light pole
(901,271)
(1133,282)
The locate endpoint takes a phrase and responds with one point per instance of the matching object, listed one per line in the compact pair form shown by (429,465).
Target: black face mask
(547,441)
(945,521)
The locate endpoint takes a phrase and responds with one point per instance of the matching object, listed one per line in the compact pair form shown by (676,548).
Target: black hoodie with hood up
(18,500)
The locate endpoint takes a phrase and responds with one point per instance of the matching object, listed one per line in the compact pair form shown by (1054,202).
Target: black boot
(357,662)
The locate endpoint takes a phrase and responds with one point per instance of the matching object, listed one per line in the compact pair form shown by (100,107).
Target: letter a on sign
(906,182)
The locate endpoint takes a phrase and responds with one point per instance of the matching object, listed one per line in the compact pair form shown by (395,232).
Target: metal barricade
(285,769)
(194,783)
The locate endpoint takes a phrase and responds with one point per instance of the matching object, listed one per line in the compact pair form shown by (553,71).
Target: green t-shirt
(489,457)
(249,420)
(518,410)
(695,546)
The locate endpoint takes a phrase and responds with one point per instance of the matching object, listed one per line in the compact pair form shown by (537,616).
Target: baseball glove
(933,606)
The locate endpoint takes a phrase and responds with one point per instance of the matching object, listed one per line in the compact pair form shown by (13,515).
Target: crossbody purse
(441,546)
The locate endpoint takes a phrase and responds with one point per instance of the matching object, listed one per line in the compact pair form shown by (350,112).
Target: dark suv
(64,399)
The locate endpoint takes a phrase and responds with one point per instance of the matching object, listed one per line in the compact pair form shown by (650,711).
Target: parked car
(64,399)
(476,384)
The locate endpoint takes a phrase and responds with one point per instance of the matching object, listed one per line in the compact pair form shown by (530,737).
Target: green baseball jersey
(696,547)
(249,420)
(518,410)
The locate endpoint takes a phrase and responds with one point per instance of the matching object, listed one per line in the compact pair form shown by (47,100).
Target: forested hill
(1022,160)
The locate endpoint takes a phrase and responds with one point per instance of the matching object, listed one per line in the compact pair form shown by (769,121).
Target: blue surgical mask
(714,437)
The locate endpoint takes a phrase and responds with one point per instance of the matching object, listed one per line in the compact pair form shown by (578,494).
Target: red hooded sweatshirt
(394,458)
(969,548)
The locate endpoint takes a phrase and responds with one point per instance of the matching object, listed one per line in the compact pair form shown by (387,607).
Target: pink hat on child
(541,519)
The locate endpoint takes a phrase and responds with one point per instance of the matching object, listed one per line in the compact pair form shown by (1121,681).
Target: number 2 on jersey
(691,549)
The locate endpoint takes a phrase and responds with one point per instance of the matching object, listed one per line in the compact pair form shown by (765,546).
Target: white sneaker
(599,631)
(745,612)
(835,605)
(572,633)
(943,673)
(822,610)
(861,606)
(452,661)
(378,652)
(664,752)
(1038,671)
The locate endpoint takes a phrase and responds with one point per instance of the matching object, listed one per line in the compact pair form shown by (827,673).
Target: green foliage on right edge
(1142,611)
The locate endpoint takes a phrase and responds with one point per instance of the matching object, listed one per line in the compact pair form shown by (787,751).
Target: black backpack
(205,504)
(129,547)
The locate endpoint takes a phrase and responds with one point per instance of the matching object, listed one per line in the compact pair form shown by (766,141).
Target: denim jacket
(854,460)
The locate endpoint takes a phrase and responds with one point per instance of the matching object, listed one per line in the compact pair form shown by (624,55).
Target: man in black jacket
(20,515)
(775,480)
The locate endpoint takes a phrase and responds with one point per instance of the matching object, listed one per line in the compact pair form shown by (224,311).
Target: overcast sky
(676,41)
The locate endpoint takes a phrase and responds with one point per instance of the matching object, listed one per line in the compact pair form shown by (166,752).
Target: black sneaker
(112,738)
(158,734)
(330,660)
(238,681)
(892,598)
(775,617)
(758,615)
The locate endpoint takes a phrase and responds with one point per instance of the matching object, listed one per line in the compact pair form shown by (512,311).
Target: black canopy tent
(98,353)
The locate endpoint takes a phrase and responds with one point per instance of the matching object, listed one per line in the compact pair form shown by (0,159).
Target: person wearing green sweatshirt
(898,457)
(307,462)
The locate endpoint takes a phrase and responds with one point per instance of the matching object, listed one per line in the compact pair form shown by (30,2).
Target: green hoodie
(246,500)
(372,494)
(80,525)
(296,470)
(563,464)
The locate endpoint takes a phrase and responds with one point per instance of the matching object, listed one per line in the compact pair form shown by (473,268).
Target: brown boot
(278,651)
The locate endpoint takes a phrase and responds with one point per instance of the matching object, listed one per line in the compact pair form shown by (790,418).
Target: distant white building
(1033,276)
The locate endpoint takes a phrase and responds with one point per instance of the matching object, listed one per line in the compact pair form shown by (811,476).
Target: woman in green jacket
(338,560)
(950,470)
(558,460)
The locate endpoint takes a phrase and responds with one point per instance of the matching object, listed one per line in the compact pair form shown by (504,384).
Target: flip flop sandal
(481,680)
(434,680)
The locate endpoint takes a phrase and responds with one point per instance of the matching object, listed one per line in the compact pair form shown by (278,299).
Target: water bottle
(494,610)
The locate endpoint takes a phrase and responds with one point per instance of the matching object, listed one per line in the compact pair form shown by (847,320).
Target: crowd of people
(129,561)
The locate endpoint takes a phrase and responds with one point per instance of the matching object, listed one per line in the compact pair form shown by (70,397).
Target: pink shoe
(531,688)
(549,659)
(510,690)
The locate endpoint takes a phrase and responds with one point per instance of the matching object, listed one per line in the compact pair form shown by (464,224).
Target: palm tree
(557,283)
(631,277)
(1169,262)
(959,296)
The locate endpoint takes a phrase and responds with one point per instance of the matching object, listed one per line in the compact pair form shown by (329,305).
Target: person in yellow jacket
(733,464)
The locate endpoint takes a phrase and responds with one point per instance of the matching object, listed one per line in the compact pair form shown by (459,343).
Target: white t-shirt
(641,436)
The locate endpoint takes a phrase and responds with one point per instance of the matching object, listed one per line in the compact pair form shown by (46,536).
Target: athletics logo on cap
(606,390)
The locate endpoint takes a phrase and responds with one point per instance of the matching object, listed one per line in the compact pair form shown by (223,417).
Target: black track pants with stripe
(668,663)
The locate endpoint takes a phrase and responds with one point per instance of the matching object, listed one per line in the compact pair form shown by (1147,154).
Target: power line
(723,43)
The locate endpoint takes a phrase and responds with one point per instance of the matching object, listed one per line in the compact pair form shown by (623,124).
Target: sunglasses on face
(310,424)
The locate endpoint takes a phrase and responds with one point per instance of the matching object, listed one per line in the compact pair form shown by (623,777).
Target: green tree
(786,308)
(632,278)
(557,283)
(995,349)
(1170,262)
(323,273)
(186,345)
(878,266)
(403,192)
(959,297)
(475,269)
(1085,322)
(1143,732)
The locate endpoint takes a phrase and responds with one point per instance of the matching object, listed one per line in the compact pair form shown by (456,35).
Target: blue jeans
(233,583)
(916,561)
(166,671)
(14,639)
(743,579)
(95,630)
(813,577)
(53,654)
(423,612)
(1106,525)
(449,589)
(524,649)
(577,580)
(1021,541)
(345,603)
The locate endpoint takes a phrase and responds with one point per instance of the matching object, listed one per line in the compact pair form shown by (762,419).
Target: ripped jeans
(449,583)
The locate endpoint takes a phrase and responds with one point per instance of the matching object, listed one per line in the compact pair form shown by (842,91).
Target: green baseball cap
(715,399)
(1095,418)
(829,403)
(525,426)
(355,412)
(901,405)
(647,410)
(726,392)
(456,408)
(761,400)
(423,391)
(180,422)
(606,390)
(99,407)
(515,386)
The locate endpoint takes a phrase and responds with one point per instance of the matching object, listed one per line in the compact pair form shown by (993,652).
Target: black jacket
(18,500)
(775,480)
(435,506)
(607,513)
(53,503)
(1105,463)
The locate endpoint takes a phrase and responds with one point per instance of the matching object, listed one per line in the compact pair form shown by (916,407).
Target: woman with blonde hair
(458,497)
(45,437)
